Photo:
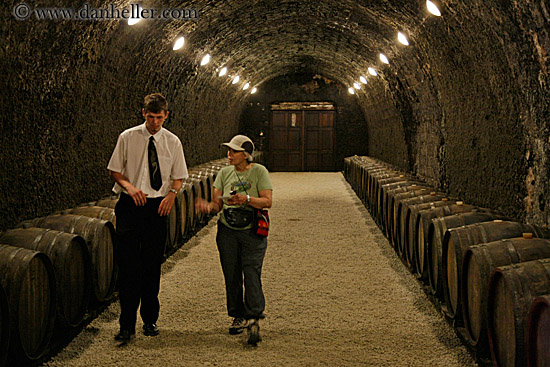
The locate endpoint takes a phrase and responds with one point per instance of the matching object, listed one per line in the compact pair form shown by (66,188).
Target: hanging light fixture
(384,59)
(235,79)
(357,86)
(179,43)
(205,60)
(254,90)
(351,90)
(223,71)
(432,8)
(363,79)
(245,87)
(372,72)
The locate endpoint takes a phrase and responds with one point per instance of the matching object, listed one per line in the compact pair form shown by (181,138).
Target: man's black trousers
(141,233)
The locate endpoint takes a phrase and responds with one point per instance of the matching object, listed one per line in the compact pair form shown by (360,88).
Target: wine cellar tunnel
(453,93)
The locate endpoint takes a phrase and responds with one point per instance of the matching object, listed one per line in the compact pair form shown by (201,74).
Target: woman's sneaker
(254,332)
(238,326)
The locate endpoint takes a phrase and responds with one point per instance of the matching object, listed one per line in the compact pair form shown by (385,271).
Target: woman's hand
(202,206)
(237,199)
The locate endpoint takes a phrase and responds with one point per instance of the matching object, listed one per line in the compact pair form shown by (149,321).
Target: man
(148,166)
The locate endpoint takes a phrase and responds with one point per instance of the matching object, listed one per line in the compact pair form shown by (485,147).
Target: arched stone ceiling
(265,39)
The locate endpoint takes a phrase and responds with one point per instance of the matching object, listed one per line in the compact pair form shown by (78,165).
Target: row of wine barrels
(457,241)
(479,263)
(511,294)
(538,332)
(71,262)
(28,278)
(4,326)
(105,209)
(472,259)
(101,242)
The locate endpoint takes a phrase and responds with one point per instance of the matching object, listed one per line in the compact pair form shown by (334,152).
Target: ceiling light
(351,90)
(178,44)
(363,79)
(205,60)
(254,90)
(245,87)
(372,72)
(235,80)
(384,59)
(432,8)
(132,20)
(402,38)
(223,71)
(357,86)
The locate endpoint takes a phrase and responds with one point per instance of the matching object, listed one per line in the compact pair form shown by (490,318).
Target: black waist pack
(238,218)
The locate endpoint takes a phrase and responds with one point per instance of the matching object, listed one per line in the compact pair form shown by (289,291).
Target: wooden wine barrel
(172,230)
(196,189)
(367,183)
(387,192)
(363,181)
(538,332)
(401,218)
(101,242)
(422,223)
(206,182)
(457,241)
(185,209)
(93,211)
(410,239)
(71,262)
(347,167)
(28,278)
(407,194)
(107,202)
(374,170)
(389,204)
(512,290)
(436,231)
(374,178)
(4,326)
(378,195)
(479,263)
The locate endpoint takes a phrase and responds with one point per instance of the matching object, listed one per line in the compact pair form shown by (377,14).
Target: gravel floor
(336,296)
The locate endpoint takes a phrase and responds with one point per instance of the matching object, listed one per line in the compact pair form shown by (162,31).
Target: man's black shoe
(150,330)
(124,335)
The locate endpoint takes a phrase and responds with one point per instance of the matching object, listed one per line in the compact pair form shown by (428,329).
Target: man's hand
(139,197)
(166,204)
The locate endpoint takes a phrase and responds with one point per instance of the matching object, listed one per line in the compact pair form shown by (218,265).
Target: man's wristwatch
(247,199)
(174,191)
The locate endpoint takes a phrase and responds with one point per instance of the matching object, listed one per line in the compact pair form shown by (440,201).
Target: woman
(239,189)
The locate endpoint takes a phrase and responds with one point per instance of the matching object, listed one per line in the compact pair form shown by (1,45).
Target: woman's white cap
(241,143)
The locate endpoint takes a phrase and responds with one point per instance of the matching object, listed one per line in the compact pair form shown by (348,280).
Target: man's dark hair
(155,103)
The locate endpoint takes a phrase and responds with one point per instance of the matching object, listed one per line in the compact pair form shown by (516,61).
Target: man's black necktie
(154,167)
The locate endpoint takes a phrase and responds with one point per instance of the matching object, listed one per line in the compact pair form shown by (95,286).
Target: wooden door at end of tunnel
(301,140)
